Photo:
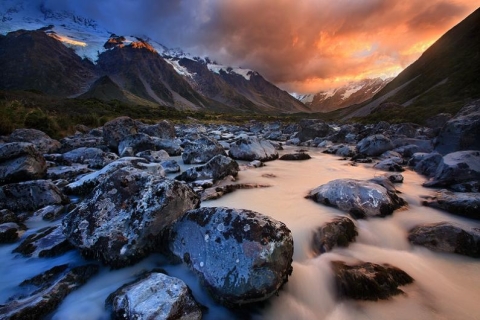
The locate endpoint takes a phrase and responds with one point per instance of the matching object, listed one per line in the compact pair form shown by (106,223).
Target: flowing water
(446,286)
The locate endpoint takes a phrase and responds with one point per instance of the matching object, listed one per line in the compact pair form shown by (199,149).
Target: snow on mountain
(246,73)
(336,98)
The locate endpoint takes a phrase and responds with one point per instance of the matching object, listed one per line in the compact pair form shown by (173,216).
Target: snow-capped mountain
(352,93)
(137,68)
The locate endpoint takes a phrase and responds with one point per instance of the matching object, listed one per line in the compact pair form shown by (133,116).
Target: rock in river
(217,168)
(121,219)
(154,296)
(241,256)
(465,204)
(359,198)
(252,148)
(338,232)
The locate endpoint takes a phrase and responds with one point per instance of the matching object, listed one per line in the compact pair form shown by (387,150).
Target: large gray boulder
(310,129)
(164,129)
(42,142)
(94,158)
(426,163)
(465,204)
(154,296)
(122,219)
(87,140)
(456,168)
(201,150)
(30,195)
(252,148)
(240,256)
(361,199)
(369,281)
(374,145)
(447,237)
(461,132)
(217,168)
(118,129)
(20,161)
(337,233)
(132,144)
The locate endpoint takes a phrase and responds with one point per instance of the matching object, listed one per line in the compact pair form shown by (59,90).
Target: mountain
(443,79)
(350,94)
(67,55)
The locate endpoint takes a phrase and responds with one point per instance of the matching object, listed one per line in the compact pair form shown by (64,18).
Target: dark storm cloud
(302,45)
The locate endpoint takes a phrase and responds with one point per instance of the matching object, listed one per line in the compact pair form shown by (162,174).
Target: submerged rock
(122,218)
(217,168)
(20,161)
(240,256)
(252,148)
(47,242)
(154,296)
(339,232)
(465,204)
(43,293)
(361,199)
(30,195)
(369,281)
(295,156)
(447,237)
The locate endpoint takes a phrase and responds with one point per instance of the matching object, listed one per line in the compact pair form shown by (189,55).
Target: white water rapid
(446,286)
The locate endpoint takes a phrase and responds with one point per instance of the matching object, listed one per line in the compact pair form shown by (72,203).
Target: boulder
(217,168)
(51,212)
(337,233)
(394,177)
(312,128)
(375,145)
(82,141)
(42,294)
(455,168)
(9,232)
(20,161)
(459,203)
(427,164)
(68,173)
(201,150)
(42,142)
(462,131)
(94,158)
(369,281)
(438,121)
(170,166)
(259,248)
(153,156)
(295,156)
(132,144)
(252,148)
(121,220)
(154,296)
(46,242)
(447,237)
(361,199)
(422,145)
(30,195)
(86,183)
(391,164)
(163,130)
(118,129)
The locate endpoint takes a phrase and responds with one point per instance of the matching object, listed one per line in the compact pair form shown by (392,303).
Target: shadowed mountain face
(33,60)
(445,76)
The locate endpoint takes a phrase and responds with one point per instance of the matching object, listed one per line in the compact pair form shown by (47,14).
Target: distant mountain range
(347,95)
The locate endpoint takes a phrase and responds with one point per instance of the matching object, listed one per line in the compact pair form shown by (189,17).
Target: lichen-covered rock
(43,293)
(164,130)
(252,148)
(201,150)
(30,195)
(457,167)
(240,256)
(20,161)
(170,166)
(462,131)
(68,173)
(82,141)
(94,158)
(359,198)
(47,242)
(42,142)
(154,296)
(447,237)
(153,156)
(122,218)
(295,156)
(338,232)
(86,183)
(369,281)
(465,204)
(217,168)
(132,144)
(375,145)
(118,129)
(51,212)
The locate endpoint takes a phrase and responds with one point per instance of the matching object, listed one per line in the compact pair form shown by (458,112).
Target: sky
(302,46)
